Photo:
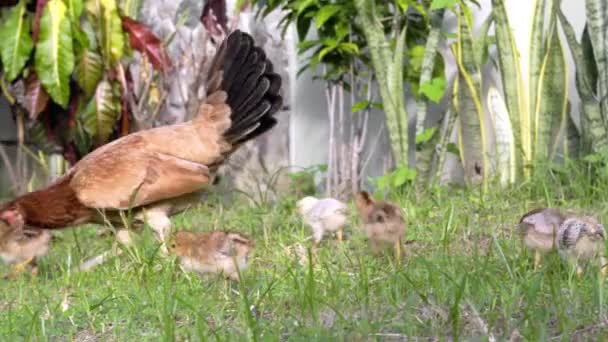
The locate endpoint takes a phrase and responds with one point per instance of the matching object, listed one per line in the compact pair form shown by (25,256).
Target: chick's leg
(339,234)
(375,246)
(537,259)
(234,276)
(398,250)
(579,270)
(20,268)
(161,225)
(317,234)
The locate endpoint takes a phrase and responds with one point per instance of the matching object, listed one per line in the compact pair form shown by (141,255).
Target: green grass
(464,276)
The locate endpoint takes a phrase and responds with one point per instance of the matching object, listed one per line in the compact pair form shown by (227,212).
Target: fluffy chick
(538,229)
(22,249)
(325,215)
(383,222)
(582,239)
(212,252)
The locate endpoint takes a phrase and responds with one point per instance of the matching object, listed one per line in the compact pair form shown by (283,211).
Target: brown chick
(582,239)
(213,252)
(383,222)
(538,229)
(150,170)
(23,248)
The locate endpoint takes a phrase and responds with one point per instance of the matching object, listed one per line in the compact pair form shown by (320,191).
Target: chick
(582,239)
(212,252)
(325,215)
(538,229)
(22,249)
(383,222)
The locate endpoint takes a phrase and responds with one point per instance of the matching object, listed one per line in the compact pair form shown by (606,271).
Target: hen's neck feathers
(55,206)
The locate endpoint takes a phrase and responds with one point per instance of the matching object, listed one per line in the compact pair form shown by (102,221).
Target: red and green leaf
(145,41)
(36,98)
(40,4)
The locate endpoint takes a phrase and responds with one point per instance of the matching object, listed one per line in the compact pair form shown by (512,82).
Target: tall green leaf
(552,98)
(89,71)
(424,156)
(100,114)
(505,142)
(448,122)
(113,37)
(107,22)
(75,9)
(597,22)
(130,8)
(15,41)
(593,130)
(572,140)
(472,119)
(54,55)
(589,58)
(537,53)
(512,80)
(395,88)
(381,58)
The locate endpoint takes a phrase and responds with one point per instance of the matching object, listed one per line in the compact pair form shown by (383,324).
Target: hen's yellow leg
(339,234)
(603,267)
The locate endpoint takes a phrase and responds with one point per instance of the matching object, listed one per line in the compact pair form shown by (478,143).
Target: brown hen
(159,171)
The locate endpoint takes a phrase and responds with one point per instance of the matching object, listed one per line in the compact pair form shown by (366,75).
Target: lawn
(464,276)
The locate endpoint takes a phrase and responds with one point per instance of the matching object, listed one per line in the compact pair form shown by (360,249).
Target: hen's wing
(132,171)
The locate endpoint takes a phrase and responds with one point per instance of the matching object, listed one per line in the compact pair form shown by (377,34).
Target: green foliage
(395,179)
(89,71)
(472,135)
(433,89)
(396,44)
(72,40)
(551,113)
(54,52)
(15,42)
(105,19)
(594,133)
(439,4)
(597,20)
(425,136)
(101,112)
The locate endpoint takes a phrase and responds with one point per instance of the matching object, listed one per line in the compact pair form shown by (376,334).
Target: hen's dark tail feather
(242,70)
